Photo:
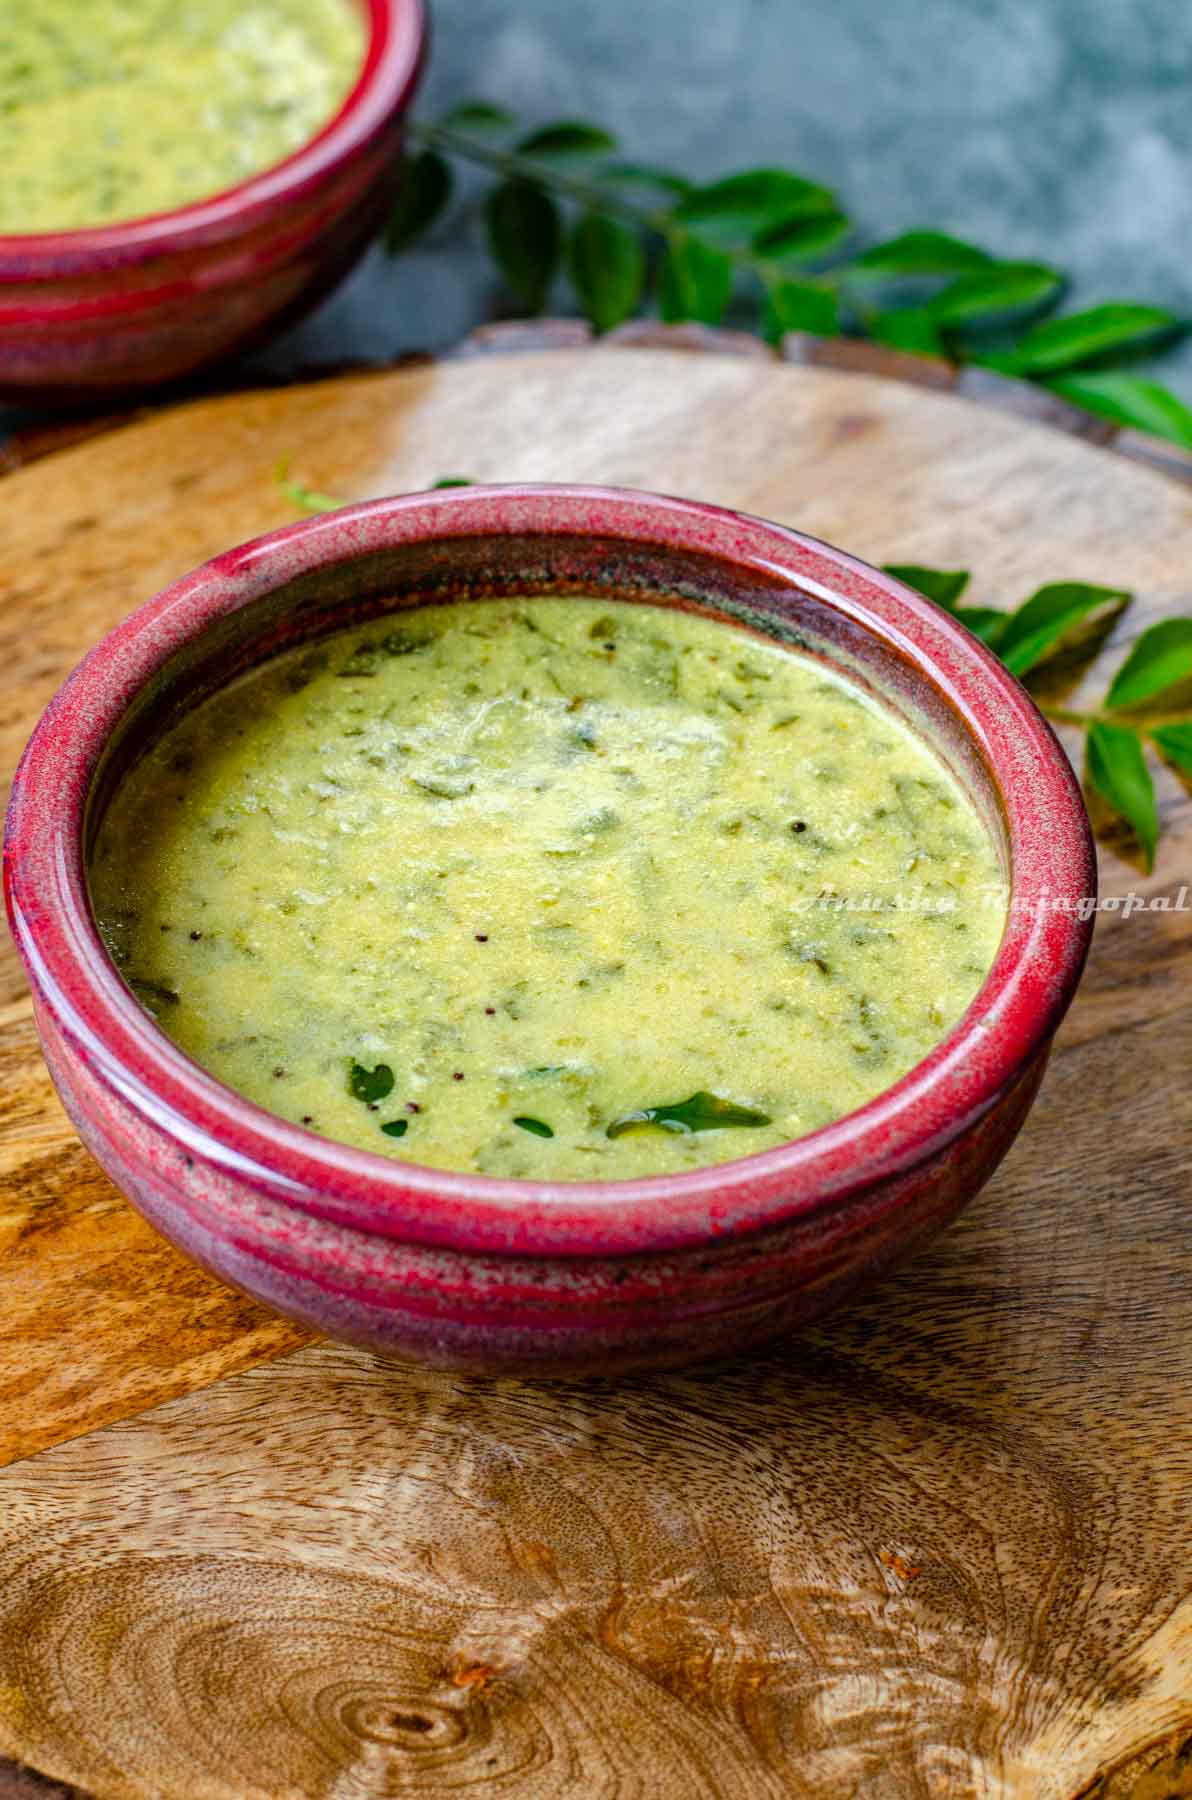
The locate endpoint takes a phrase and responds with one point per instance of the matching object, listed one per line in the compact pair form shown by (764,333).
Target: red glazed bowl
(89,314)
(466,1270)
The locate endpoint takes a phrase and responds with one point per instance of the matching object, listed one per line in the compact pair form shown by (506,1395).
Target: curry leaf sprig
(1149,700)
(780,246)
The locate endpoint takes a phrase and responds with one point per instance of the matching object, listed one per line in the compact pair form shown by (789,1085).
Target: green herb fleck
(403,642)
(603,819)
(370,1085)
(302,673)
(444,787)
(305,499)
(396,1128)
(535,1127)
(362,661)
(702,1112)
(153,995)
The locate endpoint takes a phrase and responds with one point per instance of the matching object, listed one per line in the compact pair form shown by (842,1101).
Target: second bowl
(92,314)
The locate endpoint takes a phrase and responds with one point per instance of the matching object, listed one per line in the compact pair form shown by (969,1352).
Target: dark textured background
(1059,129)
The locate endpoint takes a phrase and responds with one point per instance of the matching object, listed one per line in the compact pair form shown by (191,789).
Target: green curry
(112,109)
(549,888)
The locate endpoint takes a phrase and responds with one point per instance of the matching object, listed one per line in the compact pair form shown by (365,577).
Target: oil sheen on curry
(559,889)
(113,109)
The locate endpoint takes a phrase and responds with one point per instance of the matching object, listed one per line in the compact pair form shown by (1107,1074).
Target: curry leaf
(702,1112)
(1065,343)
(1129,400)
(792,242)
(632,175)
(907,328)
(477,115)
(994,290)
(396,1128)
(735,209)
(1051,613)
(1000,361)
(608,267)
(1161,658)
(567,137)
(985,622)
(1175,741)
(370,1085)
(695,282)
(944,586)
(524,232)
(800,306)
(424,192)
(306,499)
(1118,772)
(918,253)
(535,1127)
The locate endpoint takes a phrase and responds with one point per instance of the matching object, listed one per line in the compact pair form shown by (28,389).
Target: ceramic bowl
(467,1270)
(86,315)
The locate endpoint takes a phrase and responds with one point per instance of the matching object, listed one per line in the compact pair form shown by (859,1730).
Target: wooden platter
(940,1545)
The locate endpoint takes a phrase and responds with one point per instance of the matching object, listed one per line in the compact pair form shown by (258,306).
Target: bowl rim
(394,55)
(1005,1029)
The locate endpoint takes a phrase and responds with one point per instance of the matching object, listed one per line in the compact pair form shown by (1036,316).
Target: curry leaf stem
(598,198)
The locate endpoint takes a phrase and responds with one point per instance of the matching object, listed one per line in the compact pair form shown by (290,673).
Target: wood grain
(940,1546)
(937,1547)
(1022,399)
(101,1317)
